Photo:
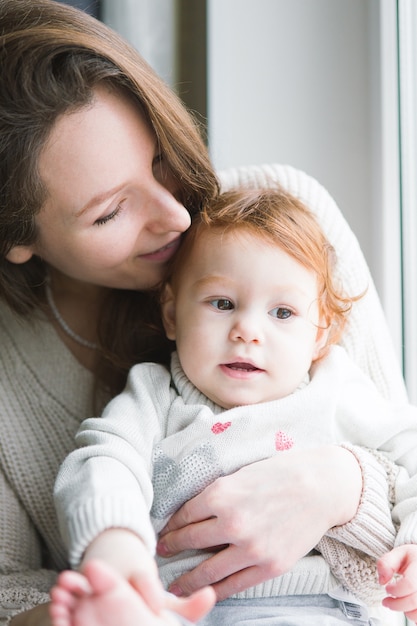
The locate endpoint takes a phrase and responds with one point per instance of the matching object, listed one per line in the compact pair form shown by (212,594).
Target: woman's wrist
(371,528)
(344,484)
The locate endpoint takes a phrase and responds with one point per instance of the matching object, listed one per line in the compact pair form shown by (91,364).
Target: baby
(255,312)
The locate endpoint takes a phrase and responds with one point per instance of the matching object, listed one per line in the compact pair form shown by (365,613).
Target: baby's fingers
(398,570)
(386,570)
(406,605)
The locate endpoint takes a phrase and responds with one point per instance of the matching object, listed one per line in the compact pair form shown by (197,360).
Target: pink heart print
(283,441)
(220,427)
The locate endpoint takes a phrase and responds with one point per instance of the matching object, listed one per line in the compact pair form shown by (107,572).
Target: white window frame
(407,47)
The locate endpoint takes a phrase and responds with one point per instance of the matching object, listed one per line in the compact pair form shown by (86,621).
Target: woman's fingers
(240,581)
(209,571)
(229,571)
(203,535)
(197,509)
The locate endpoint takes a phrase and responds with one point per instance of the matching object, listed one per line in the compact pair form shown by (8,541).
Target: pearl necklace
(67,330)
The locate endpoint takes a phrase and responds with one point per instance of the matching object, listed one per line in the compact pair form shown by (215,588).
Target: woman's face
(110,218)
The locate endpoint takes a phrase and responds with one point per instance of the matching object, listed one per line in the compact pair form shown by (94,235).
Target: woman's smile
(163,254)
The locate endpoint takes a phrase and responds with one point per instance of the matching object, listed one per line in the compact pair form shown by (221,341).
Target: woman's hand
(265,517)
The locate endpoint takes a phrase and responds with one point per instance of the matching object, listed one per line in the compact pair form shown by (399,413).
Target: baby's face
(246,319)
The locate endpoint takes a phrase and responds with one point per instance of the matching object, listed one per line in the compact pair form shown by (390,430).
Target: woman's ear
(168,312)
(19,254)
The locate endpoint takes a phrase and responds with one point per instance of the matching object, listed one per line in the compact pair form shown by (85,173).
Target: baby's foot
(101,597)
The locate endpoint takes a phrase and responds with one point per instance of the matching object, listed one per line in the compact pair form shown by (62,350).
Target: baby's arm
(124,551)
(398,572)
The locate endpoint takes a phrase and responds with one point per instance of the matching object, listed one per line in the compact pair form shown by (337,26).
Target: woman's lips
(163,254)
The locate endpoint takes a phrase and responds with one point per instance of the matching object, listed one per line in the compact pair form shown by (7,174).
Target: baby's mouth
(242,367)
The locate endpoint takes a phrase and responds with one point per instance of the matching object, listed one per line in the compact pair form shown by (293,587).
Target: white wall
(289,81)
(300,82)
(150,26)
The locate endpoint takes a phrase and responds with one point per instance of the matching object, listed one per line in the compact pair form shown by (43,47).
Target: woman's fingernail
(176,590)
(161,549)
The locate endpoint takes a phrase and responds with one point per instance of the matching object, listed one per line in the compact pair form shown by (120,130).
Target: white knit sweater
(161,442)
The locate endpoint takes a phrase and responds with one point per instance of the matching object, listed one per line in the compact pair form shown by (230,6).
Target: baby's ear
(168,312)
(321,343)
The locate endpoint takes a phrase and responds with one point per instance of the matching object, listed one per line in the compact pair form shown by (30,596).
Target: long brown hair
(52,57)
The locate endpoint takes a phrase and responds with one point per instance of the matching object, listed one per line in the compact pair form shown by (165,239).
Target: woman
(100,169)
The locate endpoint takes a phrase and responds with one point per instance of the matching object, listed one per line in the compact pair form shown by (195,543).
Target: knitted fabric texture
(45,393)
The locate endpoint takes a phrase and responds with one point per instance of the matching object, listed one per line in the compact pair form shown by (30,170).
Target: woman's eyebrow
(99,198)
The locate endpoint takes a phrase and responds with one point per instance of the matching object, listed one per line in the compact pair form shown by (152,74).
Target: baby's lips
(239,365)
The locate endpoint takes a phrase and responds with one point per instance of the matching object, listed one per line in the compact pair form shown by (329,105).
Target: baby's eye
(223,304)
(281,313)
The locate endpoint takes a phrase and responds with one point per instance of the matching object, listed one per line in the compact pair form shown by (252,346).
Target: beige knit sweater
(44,394)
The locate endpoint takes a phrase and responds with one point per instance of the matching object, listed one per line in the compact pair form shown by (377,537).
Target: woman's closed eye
(222,304)
(107,218)
(281,313)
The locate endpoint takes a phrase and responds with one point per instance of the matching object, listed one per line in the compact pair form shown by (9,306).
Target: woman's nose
(165,212)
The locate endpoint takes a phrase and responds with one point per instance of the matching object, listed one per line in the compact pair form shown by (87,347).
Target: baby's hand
(398,573)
